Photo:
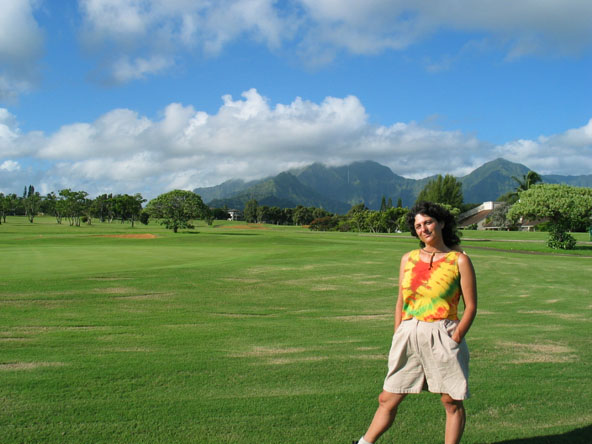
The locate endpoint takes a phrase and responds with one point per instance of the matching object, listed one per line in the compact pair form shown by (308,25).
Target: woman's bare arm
(399,306)
(468,285)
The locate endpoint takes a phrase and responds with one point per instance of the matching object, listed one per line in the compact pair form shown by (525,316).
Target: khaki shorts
(424,356)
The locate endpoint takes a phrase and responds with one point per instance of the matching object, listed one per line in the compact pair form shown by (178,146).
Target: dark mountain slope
(338,188)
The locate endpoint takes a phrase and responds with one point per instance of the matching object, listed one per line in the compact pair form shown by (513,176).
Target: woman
(428,349)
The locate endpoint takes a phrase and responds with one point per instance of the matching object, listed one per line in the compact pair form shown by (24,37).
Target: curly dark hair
(450,233)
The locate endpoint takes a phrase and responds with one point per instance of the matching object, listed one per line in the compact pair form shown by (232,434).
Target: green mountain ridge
(283,190)
(491,180)
(336,189)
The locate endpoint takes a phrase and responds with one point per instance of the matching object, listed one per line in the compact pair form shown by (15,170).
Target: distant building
(530,225)
(478,216)
(235,215)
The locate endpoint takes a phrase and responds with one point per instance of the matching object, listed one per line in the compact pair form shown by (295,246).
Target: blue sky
(145,96)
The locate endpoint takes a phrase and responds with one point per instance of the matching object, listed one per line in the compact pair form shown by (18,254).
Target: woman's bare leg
(384,416)
(455,419)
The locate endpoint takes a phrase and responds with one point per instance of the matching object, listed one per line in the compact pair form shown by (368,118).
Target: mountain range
(336,189)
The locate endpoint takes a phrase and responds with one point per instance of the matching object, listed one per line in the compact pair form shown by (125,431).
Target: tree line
(564,208)
(558,209)
(74,207)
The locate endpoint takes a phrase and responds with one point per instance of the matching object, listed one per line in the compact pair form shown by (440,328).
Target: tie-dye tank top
(431,294)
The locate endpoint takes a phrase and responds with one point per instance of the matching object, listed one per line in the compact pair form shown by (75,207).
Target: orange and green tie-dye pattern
(431,294)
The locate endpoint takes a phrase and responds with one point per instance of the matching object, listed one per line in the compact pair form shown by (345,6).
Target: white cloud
(136,38)
(125,70)
(9,133)
(249,138)
(524,27)
(569,153)
(10,166)
(21,46)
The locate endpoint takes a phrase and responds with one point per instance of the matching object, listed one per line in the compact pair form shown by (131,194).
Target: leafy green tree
(129,207)
(392,218)
(73,205)
(103,207)
(31,202)
(378,221)
(317,213)
(6,205)
(276,215)
(251,211)
(362,219)
(288,216)
(176,209)
(443,190)
(32,205)
(303,215)
(51,205)
(402,224)
(61,208)
(208,215)
(357,208)
(144,217)
(220,213)
(357,216)
(325,223)
(12,203)
(263,215)
(2,207)
(373,221)
(564,206)
(383,204)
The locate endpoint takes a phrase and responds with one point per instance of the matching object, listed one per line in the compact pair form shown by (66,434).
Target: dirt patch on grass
(127,350)
(242,280)
(247,227)
(262,351)
(28,365)
(324,288)
(344,341)
(115,290)
(146,297)
(362,318)
(244,315)
(485,312)
(539,352)
(131,236)
(369,357)
(564,316)
(284,361)
(35,330)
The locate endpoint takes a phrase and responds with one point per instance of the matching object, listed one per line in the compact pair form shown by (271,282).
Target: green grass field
(235,334)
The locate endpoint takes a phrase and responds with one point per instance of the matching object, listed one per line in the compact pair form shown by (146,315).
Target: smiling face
(428,229)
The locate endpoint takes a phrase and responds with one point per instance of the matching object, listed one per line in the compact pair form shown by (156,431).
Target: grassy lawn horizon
(240,333)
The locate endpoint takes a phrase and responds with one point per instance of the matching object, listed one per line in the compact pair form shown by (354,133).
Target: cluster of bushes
(301,215)
(361,219)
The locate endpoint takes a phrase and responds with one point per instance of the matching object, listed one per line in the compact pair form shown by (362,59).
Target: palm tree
(524,183)
(528,180)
